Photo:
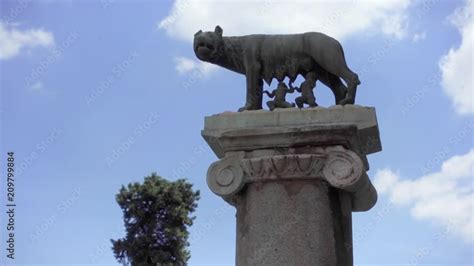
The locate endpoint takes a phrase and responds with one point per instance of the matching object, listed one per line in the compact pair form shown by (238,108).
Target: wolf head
(207,45)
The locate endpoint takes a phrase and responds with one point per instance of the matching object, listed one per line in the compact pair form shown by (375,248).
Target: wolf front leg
(254,88)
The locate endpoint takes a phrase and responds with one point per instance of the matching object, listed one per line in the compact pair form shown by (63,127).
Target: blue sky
(96,94)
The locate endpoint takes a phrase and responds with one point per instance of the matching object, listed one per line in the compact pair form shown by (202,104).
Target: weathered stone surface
(294,177)
(226,177)
(362,118)
(293,223)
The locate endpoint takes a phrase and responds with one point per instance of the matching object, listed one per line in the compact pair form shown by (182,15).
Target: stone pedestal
(294,176)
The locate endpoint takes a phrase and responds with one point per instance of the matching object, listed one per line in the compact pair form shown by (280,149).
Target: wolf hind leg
(352,81)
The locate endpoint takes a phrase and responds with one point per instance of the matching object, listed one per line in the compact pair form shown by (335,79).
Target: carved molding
(343,170)
(225,177)
(339,167)
(284,167)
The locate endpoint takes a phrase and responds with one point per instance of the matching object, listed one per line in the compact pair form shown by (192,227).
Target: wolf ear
(218,30)
(197,33)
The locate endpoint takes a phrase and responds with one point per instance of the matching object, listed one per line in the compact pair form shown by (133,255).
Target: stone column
(295,177)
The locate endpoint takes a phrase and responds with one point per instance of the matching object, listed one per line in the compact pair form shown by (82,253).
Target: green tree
(157,216)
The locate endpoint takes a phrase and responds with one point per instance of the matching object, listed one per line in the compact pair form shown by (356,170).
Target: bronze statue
(264,57)
(306,90)
(280,97)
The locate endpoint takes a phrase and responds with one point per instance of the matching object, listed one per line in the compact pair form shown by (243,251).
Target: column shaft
(297,222)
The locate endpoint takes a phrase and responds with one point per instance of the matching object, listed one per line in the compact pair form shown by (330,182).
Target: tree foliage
(156,216)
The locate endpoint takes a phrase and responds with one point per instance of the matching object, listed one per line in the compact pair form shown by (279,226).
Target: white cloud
(186,65)
(385,179)
(336,18)
(37,86)
(456,66)
(445,197)
(420,36)
(13,40)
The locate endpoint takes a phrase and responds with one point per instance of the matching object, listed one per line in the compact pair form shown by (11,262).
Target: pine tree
(156,216)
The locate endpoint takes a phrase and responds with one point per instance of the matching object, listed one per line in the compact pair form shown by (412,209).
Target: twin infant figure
(306,90)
